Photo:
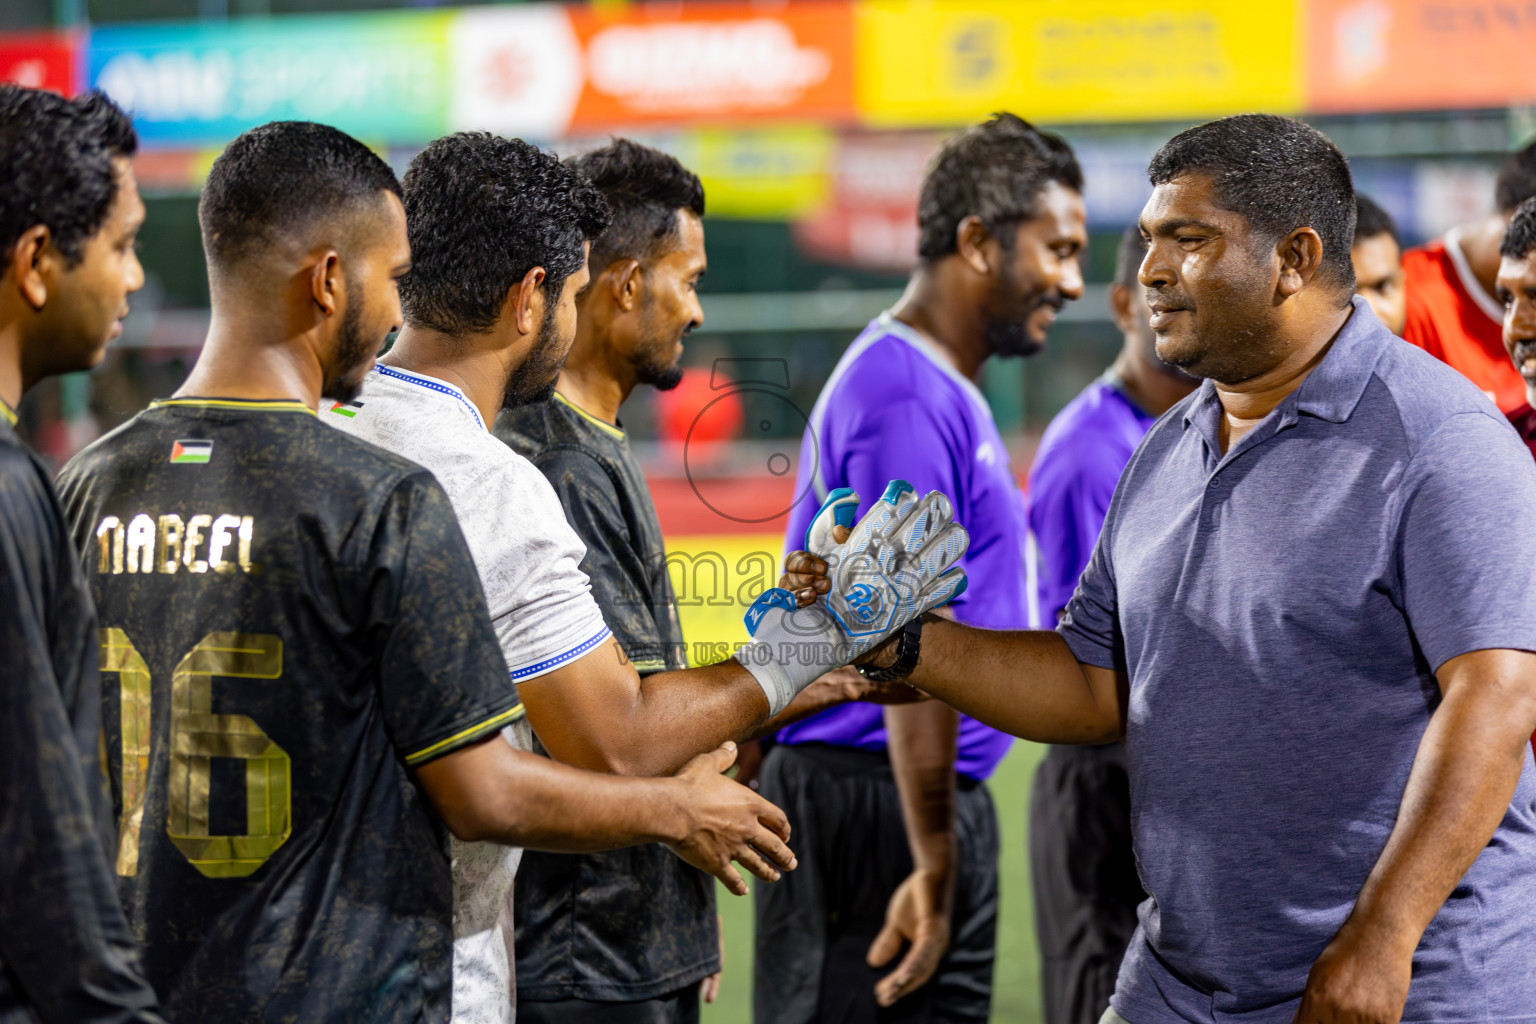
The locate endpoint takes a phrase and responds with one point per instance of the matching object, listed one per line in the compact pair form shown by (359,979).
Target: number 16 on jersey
(197,736)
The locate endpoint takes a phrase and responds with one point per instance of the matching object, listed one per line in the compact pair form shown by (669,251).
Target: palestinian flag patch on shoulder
(347,409)
(191,450)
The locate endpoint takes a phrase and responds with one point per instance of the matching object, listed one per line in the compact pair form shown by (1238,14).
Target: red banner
(41,60)
(728,61)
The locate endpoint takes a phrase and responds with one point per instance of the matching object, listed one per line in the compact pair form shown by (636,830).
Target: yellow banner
(778,173)
(933,62)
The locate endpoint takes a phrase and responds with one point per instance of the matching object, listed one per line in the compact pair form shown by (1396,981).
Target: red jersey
(1452,318)
(1524,421)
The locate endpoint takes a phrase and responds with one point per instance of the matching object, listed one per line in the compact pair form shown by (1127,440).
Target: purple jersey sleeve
(1068,498)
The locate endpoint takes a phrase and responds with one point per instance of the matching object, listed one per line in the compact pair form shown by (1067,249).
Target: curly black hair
(481,212)
(281,179)
(644,188)
(56,162)
(1371,220)
(1520,236)
(1277,172)
(995,170)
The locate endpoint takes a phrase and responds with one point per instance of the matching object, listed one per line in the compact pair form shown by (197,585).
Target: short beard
(1007,314)
(654,366)
(535,380)
(353,352)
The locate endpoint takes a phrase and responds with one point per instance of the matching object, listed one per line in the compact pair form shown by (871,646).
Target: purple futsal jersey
(895,408)
(1073,477)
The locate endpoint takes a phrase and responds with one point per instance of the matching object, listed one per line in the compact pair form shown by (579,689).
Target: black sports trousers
(1084,875)
(815,926)
(681,1007)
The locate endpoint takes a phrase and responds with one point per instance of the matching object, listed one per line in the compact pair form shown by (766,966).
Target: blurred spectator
(1084,874)
(1451,311)
(1516,289)
(1378,258)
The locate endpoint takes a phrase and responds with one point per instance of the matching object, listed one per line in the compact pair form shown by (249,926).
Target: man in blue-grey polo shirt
(1311,614)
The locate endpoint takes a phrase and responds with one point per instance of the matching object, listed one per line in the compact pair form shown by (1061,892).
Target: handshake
(896,563)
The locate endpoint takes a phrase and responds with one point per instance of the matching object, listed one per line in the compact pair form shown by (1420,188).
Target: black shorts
(815,927)
(1084,875)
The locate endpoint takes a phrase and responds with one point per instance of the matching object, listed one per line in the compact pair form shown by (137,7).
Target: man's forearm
(922,744)
(599,714)
(520,799)
(1468,764)
(1024,682)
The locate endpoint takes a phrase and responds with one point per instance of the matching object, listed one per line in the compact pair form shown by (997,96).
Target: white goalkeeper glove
(899,562)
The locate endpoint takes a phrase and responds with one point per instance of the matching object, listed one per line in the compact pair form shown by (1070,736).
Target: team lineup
(346,683)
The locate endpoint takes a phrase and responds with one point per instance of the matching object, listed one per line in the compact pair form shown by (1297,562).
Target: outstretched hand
(728,822)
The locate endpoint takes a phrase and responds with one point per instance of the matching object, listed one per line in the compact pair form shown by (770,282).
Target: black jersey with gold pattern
(290,620)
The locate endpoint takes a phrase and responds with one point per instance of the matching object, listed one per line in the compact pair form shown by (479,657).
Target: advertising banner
(381,77)
(730,61)
(930,63)
(540,70)
(1370,55)
(42,60)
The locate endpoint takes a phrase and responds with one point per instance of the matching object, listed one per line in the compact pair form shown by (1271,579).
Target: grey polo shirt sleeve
(1466,551)
(1091,623)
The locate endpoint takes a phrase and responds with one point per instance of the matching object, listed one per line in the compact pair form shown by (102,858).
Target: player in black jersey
(69,211)
(303,666)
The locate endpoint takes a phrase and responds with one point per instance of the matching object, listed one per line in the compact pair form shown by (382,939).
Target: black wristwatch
(906,656)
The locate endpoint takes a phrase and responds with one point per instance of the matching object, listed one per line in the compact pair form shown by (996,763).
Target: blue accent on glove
(892,495)
(965,581)
(844,513)
(776,597)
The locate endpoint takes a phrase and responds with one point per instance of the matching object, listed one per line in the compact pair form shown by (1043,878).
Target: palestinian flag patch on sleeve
(347,409)
(191,450)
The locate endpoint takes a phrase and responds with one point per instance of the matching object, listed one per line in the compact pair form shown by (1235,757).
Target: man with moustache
(306,687)
(499,235)
(69,214)
(1311,615)
(895,824)
(1084,874)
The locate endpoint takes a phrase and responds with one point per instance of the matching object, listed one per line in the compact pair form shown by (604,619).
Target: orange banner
(730,61)
(1372,55)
